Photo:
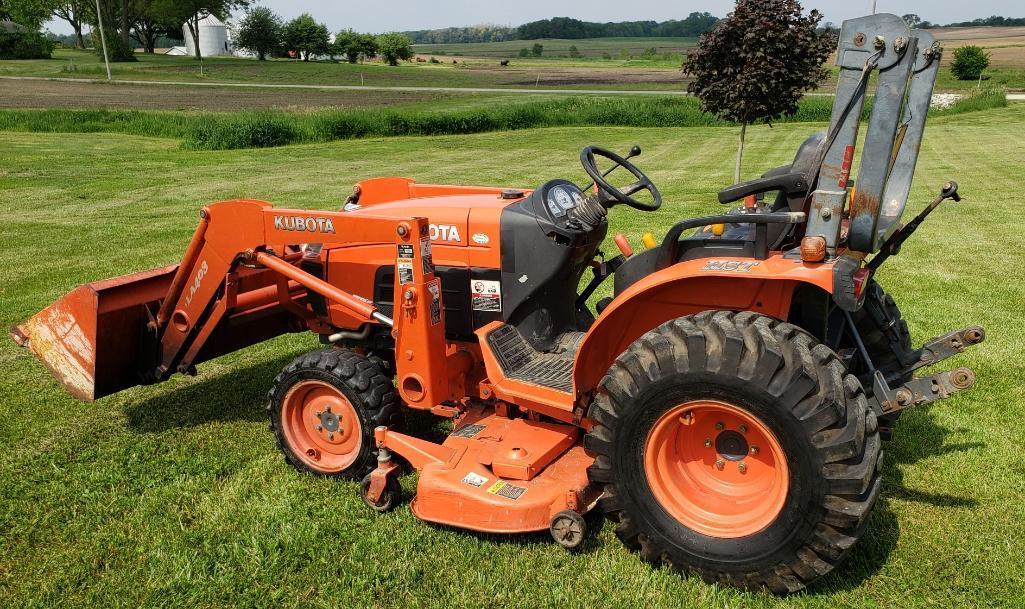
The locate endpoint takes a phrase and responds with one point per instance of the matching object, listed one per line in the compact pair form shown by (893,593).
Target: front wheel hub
(716,468)
(321,426)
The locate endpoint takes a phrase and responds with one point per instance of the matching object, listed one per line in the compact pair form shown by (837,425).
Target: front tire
(679,412)
(323,409)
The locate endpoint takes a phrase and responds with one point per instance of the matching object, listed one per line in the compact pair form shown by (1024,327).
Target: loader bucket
(92,339)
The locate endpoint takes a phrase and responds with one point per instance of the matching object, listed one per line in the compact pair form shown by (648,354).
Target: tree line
(127,23)
(263,33)
(564,27)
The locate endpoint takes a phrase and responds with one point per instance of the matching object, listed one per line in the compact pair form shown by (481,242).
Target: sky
(403,15)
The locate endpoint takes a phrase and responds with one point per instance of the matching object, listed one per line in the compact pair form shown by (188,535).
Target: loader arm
(239,259)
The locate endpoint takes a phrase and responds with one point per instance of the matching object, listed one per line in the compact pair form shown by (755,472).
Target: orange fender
(737,284)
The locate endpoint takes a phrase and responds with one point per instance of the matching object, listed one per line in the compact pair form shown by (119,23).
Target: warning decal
(509,491)
(474,479)
(434,288)
(425,255)
(468,431)
(404,263)
(486,295)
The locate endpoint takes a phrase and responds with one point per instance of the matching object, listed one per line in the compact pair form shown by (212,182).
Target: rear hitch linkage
(928,389)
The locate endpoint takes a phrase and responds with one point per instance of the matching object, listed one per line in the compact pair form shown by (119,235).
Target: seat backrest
(907,62)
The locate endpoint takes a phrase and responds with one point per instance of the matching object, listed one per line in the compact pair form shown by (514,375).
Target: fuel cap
(512,193)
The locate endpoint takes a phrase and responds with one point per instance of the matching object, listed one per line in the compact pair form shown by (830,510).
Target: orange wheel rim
(321,426)
(716,468)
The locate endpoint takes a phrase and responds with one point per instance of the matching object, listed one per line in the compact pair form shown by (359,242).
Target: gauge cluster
(561,198)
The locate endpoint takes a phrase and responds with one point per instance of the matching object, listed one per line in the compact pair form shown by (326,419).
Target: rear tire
(769,373)
(323,409)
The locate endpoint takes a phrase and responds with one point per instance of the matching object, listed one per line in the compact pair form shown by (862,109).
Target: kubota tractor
(725,407)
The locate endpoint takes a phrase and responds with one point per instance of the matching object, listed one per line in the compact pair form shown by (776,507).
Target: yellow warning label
(504,489)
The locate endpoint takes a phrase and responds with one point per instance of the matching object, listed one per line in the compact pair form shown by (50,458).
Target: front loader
(726,406)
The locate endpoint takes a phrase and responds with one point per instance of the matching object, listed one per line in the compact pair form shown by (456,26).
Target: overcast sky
(388,15)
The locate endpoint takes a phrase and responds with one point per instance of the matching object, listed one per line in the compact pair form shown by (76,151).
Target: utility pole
(103,38)
(873,7)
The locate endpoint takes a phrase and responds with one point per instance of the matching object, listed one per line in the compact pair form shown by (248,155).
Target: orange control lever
(623,245)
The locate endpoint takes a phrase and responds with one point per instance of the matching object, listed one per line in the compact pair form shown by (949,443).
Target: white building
(213,38)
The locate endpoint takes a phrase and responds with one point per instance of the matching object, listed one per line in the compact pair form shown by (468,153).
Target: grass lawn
(174,495)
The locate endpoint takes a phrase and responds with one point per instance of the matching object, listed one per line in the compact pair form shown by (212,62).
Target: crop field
(175,495)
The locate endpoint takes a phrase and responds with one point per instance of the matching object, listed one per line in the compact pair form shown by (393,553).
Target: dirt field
(53,94)
(1006,45)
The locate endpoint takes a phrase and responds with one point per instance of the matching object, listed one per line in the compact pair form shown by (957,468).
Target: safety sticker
(468,431)
(425,255)
(434,288)
(509,491)
(486,295)
(404,263)
(474,479)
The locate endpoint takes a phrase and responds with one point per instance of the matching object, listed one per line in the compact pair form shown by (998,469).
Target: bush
(574,51)
(538,49)
(24,45)
(524,52)
(117,49)
(969,62)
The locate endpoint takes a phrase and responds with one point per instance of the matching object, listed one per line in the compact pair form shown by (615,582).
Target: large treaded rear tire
(798,388)
(361,380)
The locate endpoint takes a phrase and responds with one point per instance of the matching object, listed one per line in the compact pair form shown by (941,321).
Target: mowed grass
(174,494)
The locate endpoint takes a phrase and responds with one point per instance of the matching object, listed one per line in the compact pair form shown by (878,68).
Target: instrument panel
(561,198)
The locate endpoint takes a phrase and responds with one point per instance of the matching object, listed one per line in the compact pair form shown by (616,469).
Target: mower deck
(498,474)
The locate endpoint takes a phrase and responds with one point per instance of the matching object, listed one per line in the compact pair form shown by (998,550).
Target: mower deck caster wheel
(569,529)
(390,496)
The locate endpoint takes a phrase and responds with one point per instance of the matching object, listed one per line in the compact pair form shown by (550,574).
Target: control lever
(892,245)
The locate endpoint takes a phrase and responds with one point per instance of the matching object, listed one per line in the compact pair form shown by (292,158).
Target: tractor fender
(737,284)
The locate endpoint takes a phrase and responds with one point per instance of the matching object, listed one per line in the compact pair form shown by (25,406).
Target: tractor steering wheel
(623,196)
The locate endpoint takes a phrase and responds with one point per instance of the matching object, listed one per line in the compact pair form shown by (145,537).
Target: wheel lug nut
(742,467)
(317,414)
(330,436)
(708,443)
(719,464)
(720,426)
(754,450)
(743,428)
(328,409)
(320,427)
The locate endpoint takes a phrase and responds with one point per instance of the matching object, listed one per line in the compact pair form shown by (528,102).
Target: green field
(559,48)
(174,495)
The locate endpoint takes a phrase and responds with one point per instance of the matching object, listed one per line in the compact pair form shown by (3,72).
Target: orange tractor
(726,406)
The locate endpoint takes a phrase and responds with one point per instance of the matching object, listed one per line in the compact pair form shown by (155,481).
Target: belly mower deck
(494,473)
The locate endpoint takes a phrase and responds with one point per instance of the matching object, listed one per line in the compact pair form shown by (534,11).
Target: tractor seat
(737,239)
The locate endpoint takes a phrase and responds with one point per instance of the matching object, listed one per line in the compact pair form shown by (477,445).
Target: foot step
(521,361)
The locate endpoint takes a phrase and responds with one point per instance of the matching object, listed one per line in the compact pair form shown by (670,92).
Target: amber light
(813,249)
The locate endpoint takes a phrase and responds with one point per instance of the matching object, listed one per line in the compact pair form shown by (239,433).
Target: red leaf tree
(756,64)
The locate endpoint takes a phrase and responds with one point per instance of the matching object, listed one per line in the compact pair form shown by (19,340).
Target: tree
(969,62)
(394,47)
(150,21)
(524,52)
(29,13)
(259,32)
(757,62)
(306,37)
(355,46)
(537,49)
(912,20)
(74,12)
(574,51)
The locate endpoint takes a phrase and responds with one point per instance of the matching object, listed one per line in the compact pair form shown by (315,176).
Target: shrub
(24,45)
(538,49)
(117,48)
(524,52)
(969,62)
(574,51)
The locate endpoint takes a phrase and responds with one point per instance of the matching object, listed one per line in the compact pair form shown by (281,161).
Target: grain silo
(213,37)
